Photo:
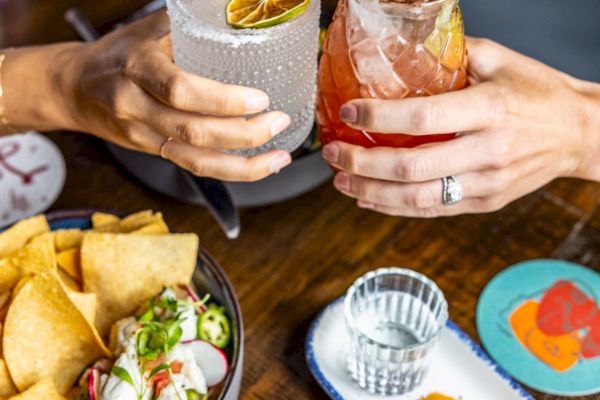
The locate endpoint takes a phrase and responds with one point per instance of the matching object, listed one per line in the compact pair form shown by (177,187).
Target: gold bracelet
(5,125)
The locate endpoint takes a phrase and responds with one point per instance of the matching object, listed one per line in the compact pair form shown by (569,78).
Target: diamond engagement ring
(452,192)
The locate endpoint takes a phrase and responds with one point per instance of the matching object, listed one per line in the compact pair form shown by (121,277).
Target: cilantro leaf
(122,374)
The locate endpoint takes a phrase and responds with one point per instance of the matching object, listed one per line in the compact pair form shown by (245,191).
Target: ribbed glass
(394,317)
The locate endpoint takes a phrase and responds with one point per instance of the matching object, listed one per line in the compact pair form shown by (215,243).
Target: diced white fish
(187,310)
(126,329)
(117,389)
(191,376)
(189,326)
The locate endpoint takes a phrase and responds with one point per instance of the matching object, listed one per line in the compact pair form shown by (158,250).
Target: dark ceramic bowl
(208,278)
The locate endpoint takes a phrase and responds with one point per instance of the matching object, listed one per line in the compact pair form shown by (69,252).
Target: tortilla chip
(69,261)
(155,228)
(4,303)
(9,275)
(125,270)
(20,233)
(100,219)
(138,220)
(37,256)
(66,239)
(86,303)
(46,336)
(45,390)
(68,282)
(7,387)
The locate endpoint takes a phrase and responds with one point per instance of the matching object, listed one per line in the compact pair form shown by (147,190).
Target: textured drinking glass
(281,60)
(389,49)
(395,317)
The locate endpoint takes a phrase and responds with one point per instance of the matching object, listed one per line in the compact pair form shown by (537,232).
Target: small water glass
(395,317)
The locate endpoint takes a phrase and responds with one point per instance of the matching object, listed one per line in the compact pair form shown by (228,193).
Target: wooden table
(294,258)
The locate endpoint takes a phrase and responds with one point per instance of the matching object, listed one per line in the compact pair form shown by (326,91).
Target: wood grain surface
(292,259)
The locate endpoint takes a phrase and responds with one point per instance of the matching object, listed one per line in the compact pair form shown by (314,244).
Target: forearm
(35,91)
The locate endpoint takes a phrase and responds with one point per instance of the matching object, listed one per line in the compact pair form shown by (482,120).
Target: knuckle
(491,204)
(254,134)
(500,155)
(251,172)
(128,66)
(429,213)
(135,136)
(497,106)
(367,192)
(197,167)
(411,168)
(223,104)
(368,116)
(119,107)
(353,161)
(421,118)
(191,133)
(421,199)
(174,90)
(500,181)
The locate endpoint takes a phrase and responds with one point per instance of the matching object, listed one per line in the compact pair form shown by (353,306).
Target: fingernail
(331,153)
(280,161)
(342,182)
(365,204)
(256,103)
(280,124)
(349,113)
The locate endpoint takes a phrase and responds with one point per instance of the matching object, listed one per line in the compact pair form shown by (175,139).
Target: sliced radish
(94,384)
(210,359)
(190,292)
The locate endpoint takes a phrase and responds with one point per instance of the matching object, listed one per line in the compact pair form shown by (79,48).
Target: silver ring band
(452,192)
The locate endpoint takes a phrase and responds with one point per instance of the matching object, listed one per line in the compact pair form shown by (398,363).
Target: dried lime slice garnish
(257,14)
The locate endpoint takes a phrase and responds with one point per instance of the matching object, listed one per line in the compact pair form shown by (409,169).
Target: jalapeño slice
(213,326)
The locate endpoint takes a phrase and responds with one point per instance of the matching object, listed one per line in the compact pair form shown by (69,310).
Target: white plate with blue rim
(459,369)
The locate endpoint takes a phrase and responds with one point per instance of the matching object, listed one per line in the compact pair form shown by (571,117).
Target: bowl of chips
(68,280)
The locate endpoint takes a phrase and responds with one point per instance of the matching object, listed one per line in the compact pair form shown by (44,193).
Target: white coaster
(459,368)
(32,175)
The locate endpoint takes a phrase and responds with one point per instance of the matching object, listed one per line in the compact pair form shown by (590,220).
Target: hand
(521,125)
(126,89)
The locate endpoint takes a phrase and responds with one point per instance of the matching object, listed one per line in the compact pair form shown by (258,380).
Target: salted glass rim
(441,319)
(189,18)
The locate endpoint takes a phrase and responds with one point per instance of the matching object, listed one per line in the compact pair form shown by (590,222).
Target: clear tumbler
(394,317)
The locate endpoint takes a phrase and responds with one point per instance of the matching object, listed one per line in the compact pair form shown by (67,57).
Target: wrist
(588,166)
(36,89)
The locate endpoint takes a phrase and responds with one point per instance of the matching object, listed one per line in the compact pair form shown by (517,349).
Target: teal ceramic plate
(540,320)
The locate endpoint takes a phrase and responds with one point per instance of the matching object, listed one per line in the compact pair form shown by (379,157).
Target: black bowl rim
(209,262)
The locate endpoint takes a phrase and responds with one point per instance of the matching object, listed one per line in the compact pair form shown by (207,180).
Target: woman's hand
(521,125)
(126,89)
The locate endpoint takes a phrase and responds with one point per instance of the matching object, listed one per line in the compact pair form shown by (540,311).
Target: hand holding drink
(521,124)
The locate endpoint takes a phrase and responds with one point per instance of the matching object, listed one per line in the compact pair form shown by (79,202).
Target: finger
(417,195)
(465,110)
(211,163)
(156,73)
(468,206)
(509,184)
(464,154)
(428,194)
(213,132)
